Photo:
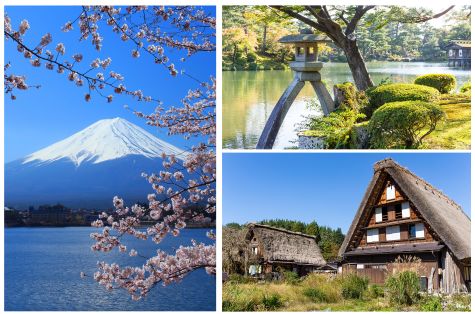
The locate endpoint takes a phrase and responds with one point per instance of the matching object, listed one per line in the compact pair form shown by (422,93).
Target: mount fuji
(87,169)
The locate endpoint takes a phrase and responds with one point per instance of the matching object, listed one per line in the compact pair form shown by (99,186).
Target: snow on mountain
(105,140)
(87,169)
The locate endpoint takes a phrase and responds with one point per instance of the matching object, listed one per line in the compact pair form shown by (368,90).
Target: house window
(393,233)
(416,231)
(460,53)
(390,192)
(406,210)
(372,235)
(359,266)
(450,53)
(379,214)
(423,283)
(398,210)
(310,50)
(299,51)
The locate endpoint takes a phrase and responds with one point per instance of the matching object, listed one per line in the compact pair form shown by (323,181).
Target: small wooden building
(276,249)
(459,53)
(402,215)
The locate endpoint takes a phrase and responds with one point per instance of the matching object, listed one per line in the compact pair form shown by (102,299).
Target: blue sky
(40,117)
(326,187)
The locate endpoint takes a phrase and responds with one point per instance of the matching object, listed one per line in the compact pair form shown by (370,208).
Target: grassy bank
(322,293)
(455,132)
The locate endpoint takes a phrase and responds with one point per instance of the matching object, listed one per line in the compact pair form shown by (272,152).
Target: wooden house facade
(404,217)
(459,53)
(275,249)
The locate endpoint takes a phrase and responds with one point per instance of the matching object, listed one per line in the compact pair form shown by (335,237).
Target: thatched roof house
(402,213)
(276,247)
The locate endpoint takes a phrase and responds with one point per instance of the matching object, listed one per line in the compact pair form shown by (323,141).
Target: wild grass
(318,292)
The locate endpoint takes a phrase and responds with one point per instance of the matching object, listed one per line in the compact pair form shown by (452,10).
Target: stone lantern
(306,68)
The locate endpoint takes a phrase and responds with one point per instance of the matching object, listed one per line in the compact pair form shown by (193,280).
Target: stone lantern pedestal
(306,68)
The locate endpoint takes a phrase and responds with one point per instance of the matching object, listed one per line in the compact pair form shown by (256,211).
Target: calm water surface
(42,267)
(249,97)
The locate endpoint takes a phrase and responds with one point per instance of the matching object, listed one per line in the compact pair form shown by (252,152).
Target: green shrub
(460,302)
(291,277)
(444,83)
(272,302)
(279,67)
(316,295)
(403,288)
(251,57)
(252,66)
(399,92)
(403,124)
(335,128)
(375,291)
(267,67)
(466,87)
(353,286)
(431,304)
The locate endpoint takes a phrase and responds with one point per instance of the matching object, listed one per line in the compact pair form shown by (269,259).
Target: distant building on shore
(459,53)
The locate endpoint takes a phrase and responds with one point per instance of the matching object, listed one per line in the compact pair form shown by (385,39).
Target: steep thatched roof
(280,245)
(443,215)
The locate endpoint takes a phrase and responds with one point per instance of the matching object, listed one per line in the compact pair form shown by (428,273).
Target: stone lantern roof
(306,36)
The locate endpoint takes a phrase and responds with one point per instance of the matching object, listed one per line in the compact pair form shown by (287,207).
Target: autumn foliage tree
(185,181)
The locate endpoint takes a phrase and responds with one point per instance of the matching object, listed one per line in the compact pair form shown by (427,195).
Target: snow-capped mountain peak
(104,140)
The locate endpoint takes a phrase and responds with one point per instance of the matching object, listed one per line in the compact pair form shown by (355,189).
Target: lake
(42,267)
(250,96)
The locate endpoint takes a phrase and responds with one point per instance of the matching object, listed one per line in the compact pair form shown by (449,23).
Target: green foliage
(290,277)
(431,304)
(351,98)
(399,92)
(444,83)
(233,225)
(252,66)
(251,57)
(272,302)
(317,295)
(403,124)
(335,129)
(353,286)
(459,302)
(375,291)
(403,288)
(466,87)
(279,67)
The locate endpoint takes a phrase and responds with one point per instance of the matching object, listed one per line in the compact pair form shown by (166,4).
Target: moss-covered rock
(444,83)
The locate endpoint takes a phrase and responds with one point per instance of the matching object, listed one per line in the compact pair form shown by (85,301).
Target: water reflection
(249,97)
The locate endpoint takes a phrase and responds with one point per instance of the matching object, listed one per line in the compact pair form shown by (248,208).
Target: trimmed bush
(466,87)
(252,66)
(403,124)
(399,92)
(403,288)
(279,67)
(444,83)
(353,286)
